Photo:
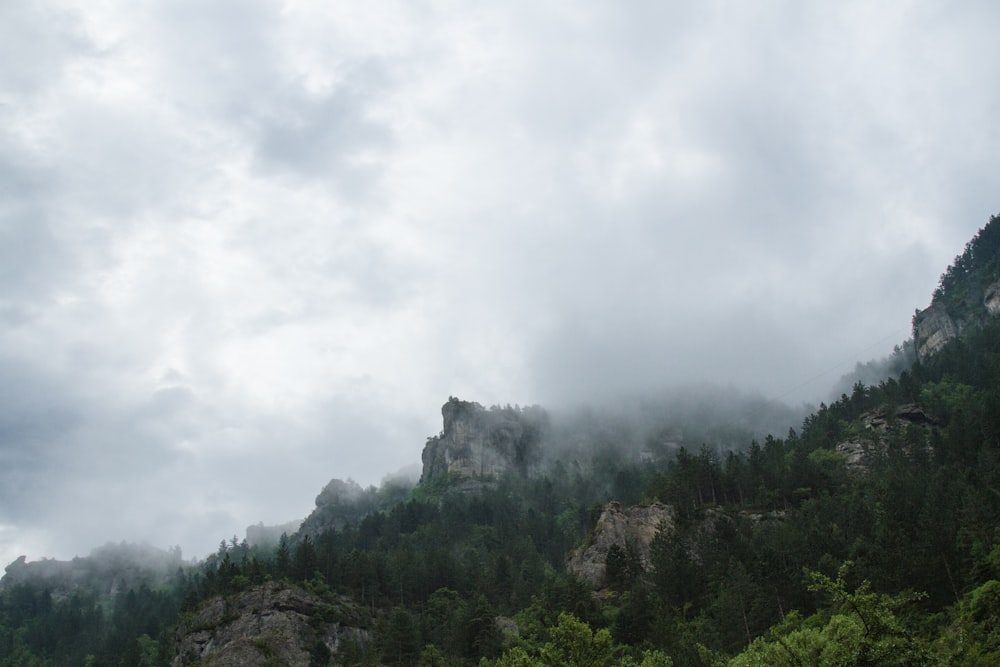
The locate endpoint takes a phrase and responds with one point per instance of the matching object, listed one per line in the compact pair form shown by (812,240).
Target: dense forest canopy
(868,535)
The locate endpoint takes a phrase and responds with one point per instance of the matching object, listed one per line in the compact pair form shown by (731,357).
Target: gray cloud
(249,247)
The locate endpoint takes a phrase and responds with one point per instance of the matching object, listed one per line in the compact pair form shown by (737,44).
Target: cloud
(248,247)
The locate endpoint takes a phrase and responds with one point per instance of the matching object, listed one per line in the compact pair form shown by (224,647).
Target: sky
(247,246)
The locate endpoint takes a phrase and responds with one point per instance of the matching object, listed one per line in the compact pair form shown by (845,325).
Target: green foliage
(573,642)
(974,636)
(397,638)
(863,628)
(961,286)
(429,573)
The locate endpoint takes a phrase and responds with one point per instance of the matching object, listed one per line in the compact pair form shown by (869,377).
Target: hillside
(869,535)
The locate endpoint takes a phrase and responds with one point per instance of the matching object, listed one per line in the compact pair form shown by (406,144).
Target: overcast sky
(247,246)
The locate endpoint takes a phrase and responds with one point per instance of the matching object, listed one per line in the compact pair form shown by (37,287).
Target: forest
(870,535)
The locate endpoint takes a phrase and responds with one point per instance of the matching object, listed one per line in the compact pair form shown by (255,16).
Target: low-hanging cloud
(249,247)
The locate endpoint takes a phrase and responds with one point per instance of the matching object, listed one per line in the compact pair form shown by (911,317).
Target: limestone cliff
(878,427)
(344,502)
(634,527)
(991,299)
(967,296)
(480,441)
(933,328)
(271,624)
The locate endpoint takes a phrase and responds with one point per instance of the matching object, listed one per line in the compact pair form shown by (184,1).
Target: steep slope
(626,533)
(271,624)
(483,442)
(967,295)
(703,549)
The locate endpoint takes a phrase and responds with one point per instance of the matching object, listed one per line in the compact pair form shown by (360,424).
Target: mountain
(476,441)
(106,571)
(267,624)
(635,534)
(967,296)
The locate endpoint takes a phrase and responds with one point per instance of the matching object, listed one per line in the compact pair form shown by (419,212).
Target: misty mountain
(697,527)
(108,570)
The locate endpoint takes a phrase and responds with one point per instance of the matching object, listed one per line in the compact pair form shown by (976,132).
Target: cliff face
(338,504)
(878,427)
(968,294)
(477,441)
(991,299)
(617,526)
(932,329)
(268,625)
(935,326)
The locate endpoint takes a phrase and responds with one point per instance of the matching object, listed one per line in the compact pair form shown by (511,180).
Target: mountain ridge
(776,551)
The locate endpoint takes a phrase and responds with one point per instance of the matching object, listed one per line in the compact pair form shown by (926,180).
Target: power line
(852,358)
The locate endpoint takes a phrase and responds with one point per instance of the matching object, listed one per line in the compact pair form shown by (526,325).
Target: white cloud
(248,247)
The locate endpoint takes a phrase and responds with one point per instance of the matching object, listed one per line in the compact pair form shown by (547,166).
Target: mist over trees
(869,533)
(874,371)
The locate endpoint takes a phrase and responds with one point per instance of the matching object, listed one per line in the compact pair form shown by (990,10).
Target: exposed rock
(912,413)
(878,425)
(344,502)
(991,299)
(268,625)
(338,504)
(637,525)
(880,421)
(933,327)
(477,441)
(338,492)
(855,452)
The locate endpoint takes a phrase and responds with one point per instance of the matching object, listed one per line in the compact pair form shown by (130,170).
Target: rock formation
(477,441)
(341,503)
(619,526)
(877,426)
(338,504)
(268,625)
(991,299)
(933,327)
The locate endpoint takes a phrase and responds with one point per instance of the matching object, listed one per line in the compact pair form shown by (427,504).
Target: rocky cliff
(271,624)
(625,528)
(933,328)
(991,299)
(344,502)
(879,427)
(480,441)
(968,294)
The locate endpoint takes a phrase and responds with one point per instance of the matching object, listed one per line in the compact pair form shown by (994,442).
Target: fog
(249,247)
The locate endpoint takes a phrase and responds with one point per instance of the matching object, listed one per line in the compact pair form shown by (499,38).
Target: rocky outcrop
(877,427)
(338,504)
(476,441)
(854,451)
(933,328)
(991,299)
(268,625)
(341,503)
(632,527)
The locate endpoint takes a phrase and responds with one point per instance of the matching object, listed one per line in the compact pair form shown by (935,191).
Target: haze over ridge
(249,247)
